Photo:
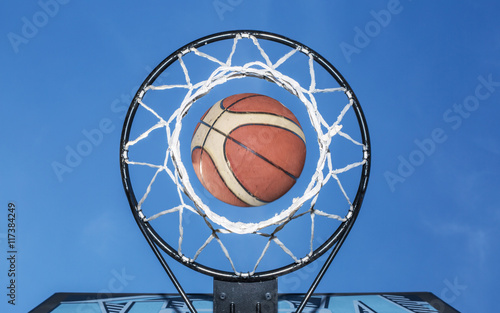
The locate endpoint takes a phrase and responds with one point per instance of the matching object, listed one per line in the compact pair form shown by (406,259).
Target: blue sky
(427,74)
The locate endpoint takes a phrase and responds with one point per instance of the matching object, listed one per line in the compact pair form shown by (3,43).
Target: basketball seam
(221,178)
(250,112)
(211,127)
(264,113)
(261,157)
(236,178)
(250,96)
(249,149)
(269,125)
(228,136)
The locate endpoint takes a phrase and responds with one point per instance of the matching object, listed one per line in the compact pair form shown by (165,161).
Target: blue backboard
(418,302)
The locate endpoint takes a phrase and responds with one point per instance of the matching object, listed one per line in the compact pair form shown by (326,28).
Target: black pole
(167,269)
(323,270)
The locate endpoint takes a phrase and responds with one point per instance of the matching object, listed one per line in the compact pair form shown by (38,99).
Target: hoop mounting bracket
(246,297)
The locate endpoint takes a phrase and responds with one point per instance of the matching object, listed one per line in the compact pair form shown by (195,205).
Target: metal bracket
(246,297)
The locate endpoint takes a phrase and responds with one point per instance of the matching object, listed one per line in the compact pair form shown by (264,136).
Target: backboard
(416,302)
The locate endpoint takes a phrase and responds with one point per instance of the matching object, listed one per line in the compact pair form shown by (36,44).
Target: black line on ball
(262,157)
(228,136)
(269,125)
(210,127)
(221,178)
(226,109)
(254,112)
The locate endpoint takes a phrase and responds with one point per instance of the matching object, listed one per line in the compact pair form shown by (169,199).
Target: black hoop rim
(149,231)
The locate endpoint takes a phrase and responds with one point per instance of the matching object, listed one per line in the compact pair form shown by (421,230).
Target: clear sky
(427,74)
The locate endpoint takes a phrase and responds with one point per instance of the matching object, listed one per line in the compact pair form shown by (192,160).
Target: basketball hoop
(169,166)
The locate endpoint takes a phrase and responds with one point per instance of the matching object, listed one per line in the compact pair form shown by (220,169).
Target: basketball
(248,150)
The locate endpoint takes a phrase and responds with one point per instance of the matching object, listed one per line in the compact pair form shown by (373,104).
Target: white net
(301,206)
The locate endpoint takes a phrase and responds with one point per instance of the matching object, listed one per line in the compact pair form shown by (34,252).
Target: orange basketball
(248,150)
